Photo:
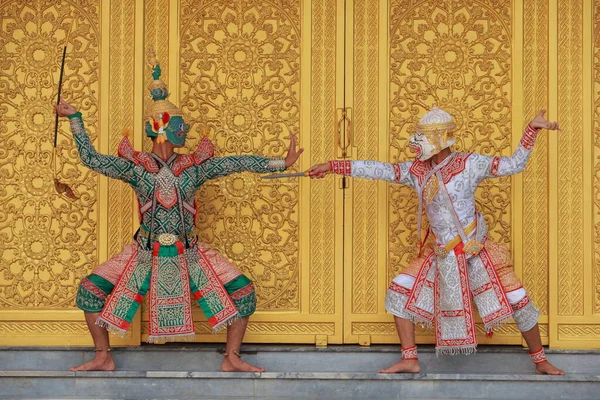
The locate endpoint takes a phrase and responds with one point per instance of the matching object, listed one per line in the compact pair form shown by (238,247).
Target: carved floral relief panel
(240,85)
(47,242)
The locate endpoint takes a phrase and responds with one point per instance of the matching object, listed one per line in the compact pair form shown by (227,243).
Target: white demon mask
(432,134)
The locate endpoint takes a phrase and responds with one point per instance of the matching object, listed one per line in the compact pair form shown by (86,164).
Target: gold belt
(443,251)
(165,239)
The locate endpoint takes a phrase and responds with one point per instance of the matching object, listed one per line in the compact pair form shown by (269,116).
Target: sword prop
(292,175)
(60,187)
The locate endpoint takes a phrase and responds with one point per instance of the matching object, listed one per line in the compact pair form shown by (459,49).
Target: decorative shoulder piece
(127,151)
(410,353)
(203,152)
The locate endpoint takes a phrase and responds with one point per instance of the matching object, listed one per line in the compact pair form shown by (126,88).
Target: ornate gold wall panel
(596,182)
(365,117)
(49,242)
(573,296)
(322,194)
(570,157)
(121,115)
(252,73)
(240,84)
(535,182)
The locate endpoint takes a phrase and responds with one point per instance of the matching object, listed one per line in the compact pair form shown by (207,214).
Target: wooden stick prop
(61,187)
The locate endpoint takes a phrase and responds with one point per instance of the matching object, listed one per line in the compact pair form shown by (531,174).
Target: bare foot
(404,366)
(102,362)
(232,363)
(546,368)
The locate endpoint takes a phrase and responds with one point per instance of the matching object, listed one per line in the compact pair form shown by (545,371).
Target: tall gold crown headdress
(160,110)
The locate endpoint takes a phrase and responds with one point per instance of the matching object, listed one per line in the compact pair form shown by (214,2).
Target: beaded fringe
(455,351)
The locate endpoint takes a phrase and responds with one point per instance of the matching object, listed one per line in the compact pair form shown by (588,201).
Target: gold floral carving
(47,242)
(322,193)
(578,332)
(366,124)
(596,181)
(120,117)
(240,83)
(570,158)
(456,55)
(535,181)
(156,32)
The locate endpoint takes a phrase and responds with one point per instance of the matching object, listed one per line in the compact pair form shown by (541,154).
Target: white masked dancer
(463,264)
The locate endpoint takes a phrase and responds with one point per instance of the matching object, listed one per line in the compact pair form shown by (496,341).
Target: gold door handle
(343,122)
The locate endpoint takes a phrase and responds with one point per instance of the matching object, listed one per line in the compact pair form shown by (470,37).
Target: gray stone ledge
(302,376)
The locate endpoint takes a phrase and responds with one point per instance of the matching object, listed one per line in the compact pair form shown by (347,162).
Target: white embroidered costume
(439,284)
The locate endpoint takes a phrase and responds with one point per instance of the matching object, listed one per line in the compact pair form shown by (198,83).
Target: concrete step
(191,371)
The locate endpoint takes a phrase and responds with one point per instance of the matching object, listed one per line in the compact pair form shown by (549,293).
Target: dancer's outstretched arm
(219,167)
(491,167)
(111,166)
(368,169)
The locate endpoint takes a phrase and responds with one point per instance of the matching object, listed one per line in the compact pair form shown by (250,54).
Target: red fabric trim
(538,357)
(495,165)
(529,137)
(397,172)
(420,169)
(341,167)
(420,282)
(394,287)
(521,303)
(138,298)
(410,353)
(455,167)
(120,290)
(179,246)
(505,309)
(95,290)
(155,249)
(245,291)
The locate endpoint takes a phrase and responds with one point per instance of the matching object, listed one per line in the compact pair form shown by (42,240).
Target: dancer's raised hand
(539,122)
(319,170)
(64,109)
(293,154)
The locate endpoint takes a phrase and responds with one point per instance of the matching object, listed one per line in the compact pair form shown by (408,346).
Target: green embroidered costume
(166,262)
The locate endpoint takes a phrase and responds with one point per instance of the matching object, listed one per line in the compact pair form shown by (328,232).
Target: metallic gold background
(252,73)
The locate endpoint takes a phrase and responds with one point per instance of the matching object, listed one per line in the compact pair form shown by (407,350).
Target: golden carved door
(407,56)
(337,74)
(493,65)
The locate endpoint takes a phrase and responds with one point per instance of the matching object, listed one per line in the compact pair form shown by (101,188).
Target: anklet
(234,352)
(410,353)
(99,349)
(538,357)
